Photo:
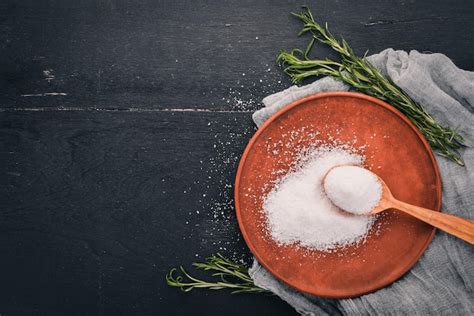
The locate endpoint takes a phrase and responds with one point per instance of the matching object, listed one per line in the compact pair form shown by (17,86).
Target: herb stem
(227,274)
(358,73)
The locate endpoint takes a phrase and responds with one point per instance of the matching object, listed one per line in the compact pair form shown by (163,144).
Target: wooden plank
(98,206)
(101,199)
(180,54)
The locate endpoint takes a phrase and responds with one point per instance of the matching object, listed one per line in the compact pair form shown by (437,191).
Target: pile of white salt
(298,211)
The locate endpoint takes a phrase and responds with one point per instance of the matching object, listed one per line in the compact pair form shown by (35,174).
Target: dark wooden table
(121,125)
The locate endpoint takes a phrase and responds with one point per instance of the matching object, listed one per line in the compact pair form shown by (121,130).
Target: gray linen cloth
(441,283)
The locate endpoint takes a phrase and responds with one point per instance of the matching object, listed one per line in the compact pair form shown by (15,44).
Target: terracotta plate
(395,150)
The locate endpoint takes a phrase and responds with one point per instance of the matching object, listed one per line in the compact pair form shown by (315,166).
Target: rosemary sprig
(227,274)
(361,75)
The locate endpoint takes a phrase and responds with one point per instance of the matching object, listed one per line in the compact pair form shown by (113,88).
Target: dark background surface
(121,125)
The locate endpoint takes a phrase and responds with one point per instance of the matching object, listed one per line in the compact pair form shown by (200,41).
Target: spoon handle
(457,226)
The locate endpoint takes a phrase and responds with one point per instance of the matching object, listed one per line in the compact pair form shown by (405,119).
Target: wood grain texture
(102,173)
(180,54)
(97,207)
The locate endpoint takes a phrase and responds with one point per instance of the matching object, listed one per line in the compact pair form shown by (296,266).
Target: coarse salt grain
(353,189)
(299,212)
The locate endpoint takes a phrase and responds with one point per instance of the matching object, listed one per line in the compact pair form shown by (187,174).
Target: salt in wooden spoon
(454,225)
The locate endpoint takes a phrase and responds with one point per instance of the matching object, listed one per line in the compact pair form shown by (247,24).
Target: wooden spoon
(457,226)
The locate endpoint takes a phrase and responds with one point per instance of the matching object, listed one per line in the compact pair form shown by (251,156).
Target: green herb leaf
(358,73)
(226,274)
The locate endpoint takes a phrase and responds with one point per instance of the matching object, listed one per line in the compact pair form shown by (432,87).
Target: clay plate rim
(289,107)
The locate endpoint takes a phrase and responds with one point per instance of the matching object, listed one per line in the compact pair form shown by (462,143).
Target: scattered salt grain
(299,212)
(353,189)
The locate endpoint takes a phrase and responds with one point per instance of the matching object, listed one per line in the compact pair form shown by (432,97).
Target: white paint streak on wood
(49,75)
(45,109)
(47,94)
